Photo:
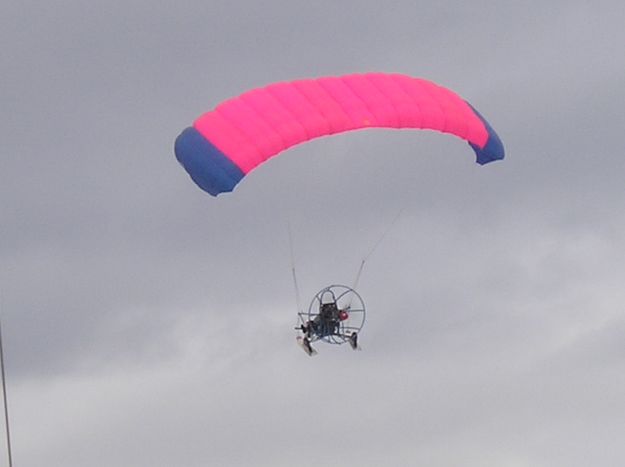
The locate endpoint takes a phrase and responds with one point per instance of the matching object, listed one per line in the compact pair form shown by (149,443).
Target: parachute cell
(225,144)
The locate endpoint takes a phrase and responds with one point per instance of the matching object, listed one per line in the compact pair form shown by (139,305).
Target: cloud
(148,324)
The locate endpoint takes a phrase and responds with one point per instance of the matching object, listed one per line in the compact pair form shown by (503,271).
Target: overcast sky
(147,324)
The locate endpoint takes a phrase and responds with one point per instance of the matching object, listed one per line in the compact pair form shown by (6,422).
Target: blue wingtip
(493,150)
(209,168)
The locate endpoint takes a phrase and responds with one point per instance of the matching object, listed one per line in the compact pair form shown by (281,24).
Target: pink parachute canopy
(225,144)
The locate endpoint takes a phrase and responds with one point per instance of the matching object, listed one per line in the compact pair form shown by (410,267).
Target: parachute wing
(225,144)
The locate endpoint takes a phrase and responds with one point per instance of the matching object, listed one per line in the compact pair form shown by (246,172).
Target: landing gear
(304,343)
(336,315)
(353,341)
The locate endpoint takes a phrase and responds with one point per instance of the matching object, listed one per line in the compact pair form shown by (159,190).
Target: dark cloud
(148,324)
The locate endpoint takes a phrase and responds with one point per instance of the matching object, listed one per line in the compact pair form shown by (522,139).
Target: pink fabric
(262,122)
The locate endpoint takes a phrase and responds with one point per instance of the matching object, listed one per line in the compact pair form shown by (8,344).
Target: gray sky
(148,324)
